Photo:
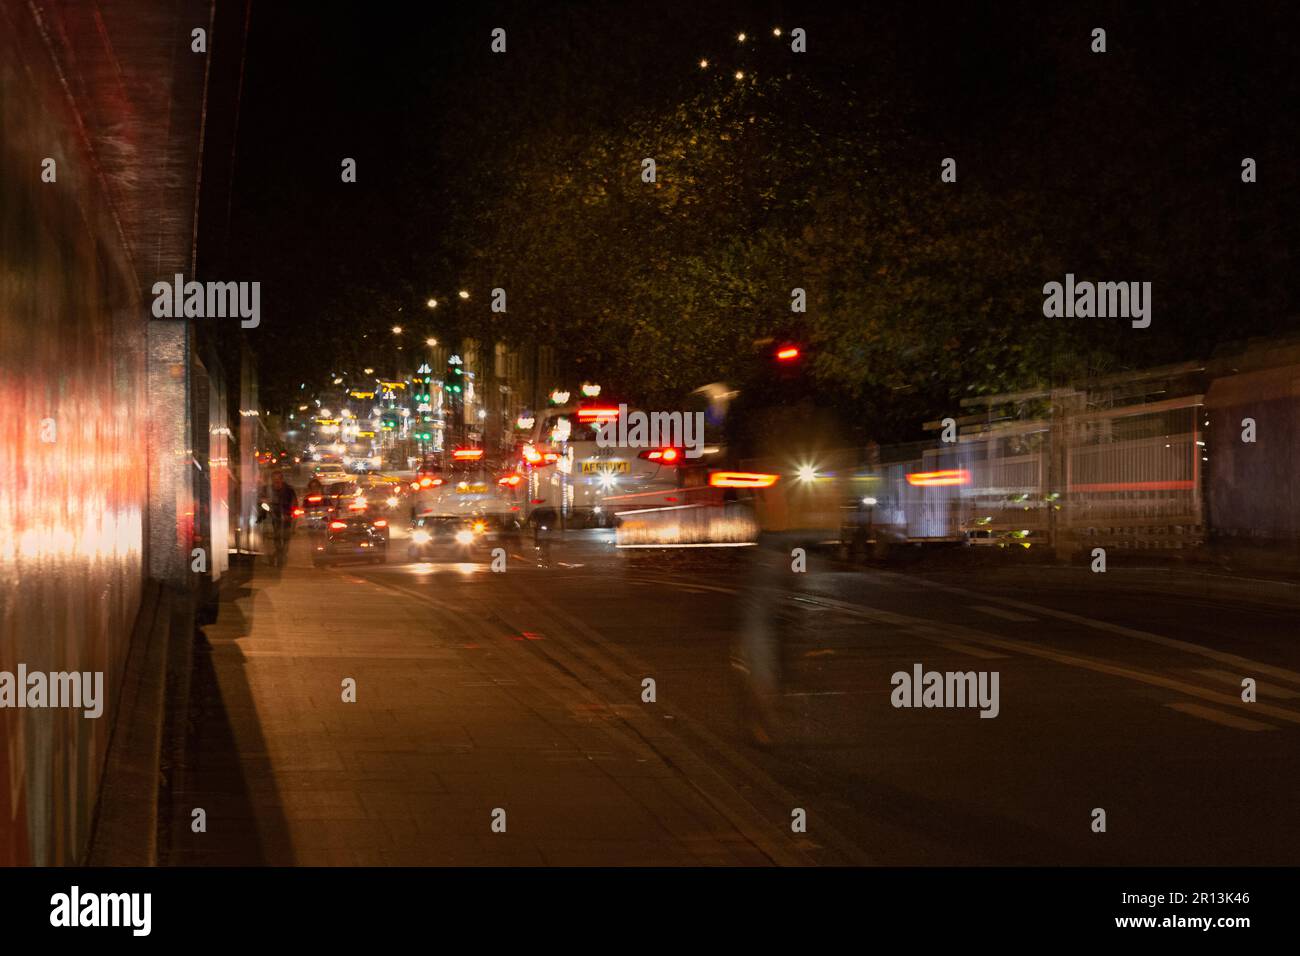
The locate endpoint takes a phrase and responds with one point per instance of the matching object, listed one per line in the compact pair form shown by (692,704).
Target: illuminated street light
(432,343)
(741,37)
(368,371)
(776,31)
(463,294)
(397,330)
(432,303)
(590,390)
(740,75)
(704,64)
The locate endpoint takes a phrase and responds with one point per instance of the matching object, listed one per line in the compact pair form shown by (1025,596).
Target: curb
(125,831)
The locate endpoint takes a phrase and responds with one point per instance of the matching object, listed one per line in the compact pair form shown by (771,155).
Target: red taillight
(298,512)
(664,456)
(787,354)
(357,506)
(381,523)
(338,525)
(467,454)
(741,479)
(588,415)
(537,458)
(951,476)
(314,498)
(538,501)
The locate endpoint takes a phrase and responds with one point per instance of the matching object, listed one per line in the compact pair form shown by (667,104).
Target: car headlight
(392,501)
(465,537)
(420,537)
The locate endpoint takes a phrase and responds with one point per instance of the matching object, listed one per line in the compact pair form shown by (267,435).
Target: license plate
(597,466)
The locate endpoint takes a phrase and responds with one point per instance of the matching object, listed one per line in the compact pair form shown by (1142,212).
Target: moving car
(351,537)
(315,510)
(330,472)
(451,537)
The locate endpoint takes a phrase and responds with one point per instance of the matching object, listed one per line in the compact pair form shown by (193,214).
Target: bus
(586,485)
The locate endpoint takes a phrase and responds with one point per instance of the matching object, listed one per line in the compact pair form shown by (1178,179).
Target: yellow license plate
(596,466)
(471,489)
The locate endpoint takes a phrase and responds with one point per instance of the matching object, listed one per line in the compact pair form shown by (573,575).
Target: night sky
(1131,157)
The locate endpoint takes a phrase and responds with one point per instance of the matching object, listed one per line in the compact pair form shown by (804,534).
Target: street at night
(665,464)
(523,691)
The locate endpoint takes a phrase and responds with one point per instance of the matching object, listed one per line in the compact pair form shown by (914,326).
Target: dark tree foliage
(818,171)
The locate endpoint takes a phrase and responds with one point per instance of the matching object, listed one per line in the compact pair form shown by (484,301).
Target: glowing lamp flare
(788,353)
(467,454)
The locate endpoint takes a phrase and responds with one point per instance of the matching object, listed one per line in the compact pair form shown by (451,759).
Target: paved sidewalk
(451,721)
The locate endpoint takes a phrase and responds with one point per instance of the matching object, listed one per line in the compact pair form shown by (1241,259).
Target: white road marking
(1005,615)
(1219,717)
(1222,657)
(924,629)
(1264,690)
(970,649)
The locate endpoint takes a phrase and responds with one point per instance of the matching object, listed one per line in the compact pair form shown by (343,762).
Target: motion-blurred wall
(72,509)
(97,409)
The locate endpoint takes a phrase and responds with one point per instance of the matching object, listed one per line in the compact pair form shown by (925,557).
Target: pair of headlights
(464,536)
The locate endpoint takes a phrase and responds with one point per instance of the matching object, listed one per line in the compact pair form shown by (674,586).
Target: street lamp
(432,303)
(463,294)
(397,330)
